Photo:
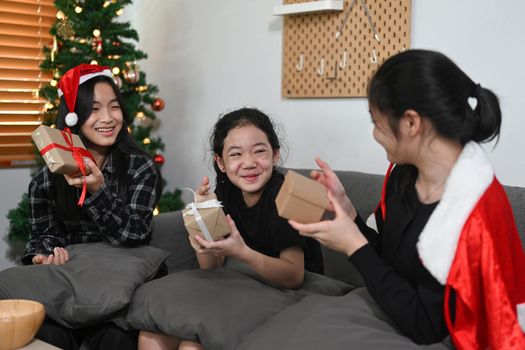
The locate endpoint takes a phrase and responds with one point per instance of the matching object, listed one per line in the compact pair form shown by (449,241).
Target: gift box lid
(57,159)
(305,188)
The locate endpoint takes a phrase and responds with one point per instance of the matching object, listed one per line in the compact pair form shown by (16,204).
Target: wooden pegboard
(314,36)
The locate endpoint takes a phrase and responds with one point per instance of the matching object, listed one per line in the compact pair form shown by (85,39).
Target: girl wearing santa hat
(445,257)
(122,185)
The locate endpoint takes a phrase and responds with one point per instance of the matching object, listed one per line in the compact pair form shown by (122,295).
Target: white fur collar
(469,179)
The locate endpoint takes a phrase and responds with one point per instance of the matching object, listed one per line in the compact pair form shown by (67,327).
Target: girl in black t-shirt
(246,150)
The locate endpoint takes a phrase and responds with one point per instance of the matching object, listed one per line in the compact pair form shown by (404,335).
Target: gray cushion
(217,307)
(97,282)
(353,321)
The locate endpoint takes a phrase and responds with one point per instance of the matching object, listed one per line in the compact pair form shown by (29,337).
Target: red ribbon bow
(78,154)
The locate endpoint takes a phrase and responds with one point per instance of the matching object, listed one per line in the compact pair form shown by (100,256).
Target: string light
(78,9)
(146,141)
(96,33)
(156,211)
(53,83)
(93,62)
(115,70)
(119,12)
(60,15)
(141,88)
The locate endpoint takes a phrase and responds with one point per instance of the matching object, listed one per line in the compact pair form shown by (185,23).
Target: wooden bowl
(19,322)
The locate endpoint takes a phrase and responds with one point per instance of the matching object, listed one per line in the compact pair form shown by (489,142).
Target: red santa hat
(69,83)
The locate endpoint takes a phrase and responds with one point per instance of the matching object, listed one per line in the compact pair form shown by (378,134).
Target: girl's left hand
(93,180)
(340,234)
(233,245)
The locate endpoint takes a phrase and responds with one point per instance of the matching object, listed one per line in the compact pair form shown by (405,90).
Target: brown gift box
(213,218)
(301,199)
(58,160)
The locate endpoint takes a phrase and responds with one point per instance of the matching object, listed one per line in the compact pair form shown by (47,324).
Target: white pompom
(71,119)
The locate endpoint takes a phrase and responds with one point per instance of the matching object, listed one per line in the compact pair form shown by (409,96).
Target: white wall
(209,57)
(13,183)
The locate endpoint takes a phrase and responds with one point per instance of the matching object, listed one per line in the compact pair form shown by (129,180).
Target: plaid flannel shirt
(108,218)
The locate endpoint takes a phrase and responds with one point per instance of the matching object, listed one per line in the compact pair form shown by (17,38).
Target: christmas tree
(89,31)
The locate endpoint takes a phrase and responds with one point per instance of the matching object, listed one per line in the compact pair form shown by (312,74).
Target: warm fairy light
(106,3)
(146,141)
(82,41)
(96,33)
(129,130)
(53,126)
(53,83)
(93,62)
(140,115)
(78,9)
(119,12)
(60,15)
(156,211)
(116,70)
(49,106)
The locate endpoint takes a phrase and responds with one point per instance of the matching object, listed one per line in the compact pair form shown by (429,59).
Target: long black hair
(431,84)
(236,119)
(66,195)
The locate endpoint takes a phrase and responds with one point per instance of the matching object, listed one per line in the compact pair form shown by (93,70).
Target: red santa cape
(471,244)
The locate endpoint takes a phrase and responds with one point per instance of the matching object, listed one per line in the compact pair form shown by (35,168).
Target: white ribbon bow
(193,210)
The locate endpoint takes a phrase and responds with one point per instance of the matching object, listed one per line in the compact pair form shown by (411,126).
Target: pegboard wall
(314,63)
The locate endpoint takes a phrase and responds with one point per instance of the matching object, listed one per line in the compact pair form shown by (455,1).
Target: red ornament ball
(159,159)
(158,104)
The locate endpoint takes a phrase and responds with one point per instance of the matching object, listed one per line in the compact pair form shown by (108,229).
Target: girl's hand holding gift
(203,192)
(93,181)
(327,177)
(233,245)
(340,234)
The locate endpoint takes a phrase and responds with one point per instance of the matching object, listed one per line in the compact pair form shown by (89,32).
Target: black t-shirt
(262,228)
(392,269)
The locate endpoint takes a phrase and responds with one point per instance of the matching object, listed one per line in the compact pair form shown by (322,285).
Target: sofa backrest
(365,191)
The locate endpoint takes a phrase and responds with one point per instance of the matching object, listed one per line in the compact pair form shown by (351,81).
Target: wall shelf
(308,7)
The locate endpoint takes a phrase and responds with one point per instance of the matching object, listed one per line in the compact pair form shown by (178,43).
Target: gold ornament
(65,29)
(131,73)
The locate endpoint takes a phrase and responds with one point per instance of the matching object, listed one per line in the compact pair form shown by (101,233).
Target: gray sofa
(364,190)
(371,324)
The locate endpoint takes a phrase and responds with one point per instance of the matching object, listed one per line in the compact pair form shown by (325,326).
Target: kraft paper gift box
(301,199)
(209,214)
(58,160)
